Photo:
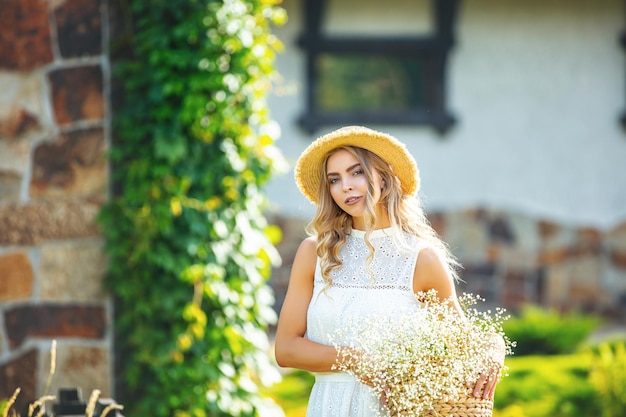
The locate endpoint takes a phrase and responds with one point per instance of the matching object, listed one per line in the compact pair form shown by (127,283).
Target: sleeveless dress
(382,288)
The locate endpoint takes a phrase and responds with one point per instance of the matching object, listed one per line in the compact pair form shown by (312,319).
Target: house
(517,130)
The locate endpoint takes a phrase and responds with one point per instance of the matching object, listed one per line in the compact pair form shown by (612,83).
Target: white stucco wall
(537,86)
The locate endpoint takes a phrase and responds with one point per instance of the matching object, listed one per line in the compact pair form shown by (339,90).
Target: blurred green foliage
(546,386)
(292,393)
(608,377)
(537,331)
(189,248)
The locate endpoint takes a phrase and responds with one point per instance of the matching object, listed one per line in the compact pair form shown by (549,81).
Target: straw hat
(385,146)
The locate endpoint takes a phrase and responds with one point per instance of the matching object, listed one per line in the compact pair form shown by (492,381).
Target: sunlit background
(514,111)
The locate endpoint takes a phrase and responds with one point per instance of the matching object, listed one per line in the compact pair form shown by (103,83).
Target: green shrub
(189,248)
(547,386)
(608,377)
(537,331)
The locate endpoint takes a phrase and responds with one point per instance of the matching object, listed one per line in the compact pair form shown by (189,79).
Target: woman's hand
(487,382)
(489,378)
(354,361)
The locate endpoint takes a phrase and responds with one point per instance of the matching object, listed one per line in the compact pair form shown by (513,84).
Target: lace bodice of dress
(383,287)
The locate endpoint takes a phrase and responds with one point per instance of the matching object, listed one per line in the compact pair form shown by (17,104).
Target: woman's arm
(292,349)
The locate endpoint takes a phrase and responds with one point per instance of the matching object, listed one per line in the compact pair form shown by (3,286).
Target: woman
(361,259)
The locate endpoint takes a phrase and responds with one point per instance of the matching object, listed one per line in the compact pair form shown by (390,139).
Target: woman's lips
(352,200)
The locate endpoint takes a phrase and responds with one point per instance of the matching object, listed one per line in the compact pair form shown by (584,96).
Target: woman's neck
(382,222)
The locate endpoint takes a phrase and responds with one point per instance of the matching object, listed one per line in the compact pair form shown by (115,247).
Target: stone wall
(54,128)
(511,260)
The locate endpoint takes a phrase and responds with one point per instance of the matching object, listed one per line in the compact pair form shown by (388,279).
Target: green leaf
(170,149)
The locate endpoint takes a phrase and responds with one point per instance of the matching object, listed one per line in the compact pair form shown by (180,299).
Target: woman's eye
(333,180)
(358,172)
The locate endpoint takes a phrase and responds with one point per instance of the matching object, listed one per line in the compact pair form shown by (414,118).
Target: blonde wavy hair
(331,225)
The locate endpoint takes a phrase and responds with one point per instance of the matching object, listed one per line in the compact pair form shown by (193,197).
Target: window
(377,77)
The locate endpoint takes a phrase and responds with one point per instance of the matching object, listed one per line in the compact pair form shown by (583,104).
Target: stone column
(54,132)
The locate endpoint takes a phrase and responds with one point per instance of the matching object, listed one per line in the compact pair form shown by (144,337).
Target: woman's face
(348,186)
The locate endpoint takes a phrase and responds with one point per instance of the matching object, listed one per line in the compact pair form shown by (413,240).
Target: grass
(38,407)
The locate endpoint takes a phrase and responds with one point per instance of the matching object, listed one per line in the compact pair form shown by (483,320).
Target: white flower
(424,356)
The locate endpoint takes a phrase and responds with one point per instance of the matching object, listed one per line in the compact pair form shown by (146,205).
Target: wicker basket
(467,406)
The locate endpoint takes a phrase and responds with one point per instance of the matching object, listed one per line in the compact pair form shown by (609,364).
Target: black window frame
(432,49)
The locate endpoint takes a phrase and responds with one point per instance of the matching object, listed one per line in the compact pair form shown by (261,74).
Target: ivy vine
(189,247)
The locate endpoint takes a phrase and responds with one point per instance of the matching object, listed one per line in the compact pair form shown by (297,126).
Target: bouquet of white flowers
(424,362)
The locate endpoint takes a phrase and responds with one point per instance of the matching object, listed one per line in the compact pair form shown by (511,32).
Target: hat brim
(390,149)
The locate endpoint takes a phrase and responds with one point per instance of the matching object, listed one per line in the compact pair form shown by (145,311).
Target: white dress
(385,289)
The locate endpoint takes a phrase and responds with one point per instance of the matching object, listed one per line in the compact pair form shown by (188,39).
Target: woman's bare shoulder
(306,256)
(428,258)
(431,271)
(310,243)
